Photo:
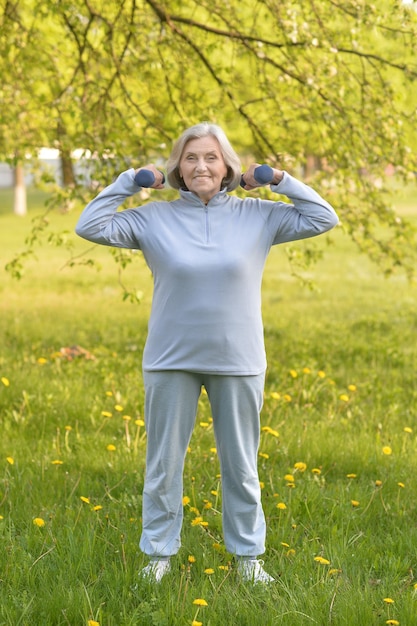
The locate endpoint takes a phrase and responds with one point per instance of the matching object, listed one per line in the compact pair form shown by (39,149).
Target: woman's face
(202,167)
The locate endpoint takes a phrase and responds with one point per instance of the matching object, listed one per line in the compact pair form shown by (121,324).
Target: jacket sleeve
(307,215)
(101,223)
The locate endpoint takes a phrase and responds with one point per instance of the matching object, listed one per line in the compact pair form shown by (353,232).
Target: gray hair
(231,159)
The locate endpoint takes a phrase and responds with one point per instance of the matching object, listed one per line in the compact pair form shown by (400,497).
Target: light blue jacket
(207,263)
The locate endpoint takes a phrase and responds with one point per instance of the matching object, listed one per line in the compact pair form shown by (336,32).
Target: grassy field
(337,459)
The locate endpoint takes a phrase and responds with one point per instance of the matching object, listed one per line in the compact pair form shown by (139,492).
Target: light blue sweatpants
(170,412)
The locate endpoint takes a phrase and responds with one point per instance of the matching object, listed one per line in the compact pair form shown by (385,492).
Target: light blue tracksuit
(205,329)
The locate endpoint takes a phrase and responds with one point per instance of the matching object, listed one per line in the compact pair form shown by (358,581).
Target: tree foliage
(332,80)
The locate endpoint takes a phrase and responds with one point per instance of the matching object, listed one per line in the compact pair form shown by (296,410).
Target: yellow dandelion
(98,507)
(378,483)
(407,429)
(106,414)
(270,431)
(415,585)
(111,447)
(281,506)
(84,499)
(401,485)
(214,492)
(286,545)
(354,502)
(287,397)
(208,505)
(68,428)
(213,450)
(300,466)
(191,559)
(1,517)
(352,387)
(393,622)
(225,568)
(388,601)
(57,462)
(306,370)
(92,622)
(289,478)
(351,475)
(204,424)
(387,450)
(42,360)
(290,552)
(200,602)
(127,418)
(196,521)
(275,395)
(139,422)
(39,522)
(5,381)
(293,374)
(332,571)
(217,546)
(196,623)
(316,470)
(10,460)
(321,560)
(344,397)
(209,571)
(321,374)
(109,394)
(264,455)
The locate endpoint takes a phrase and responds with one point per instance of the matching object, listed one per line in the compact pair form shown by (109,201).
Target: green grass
(340,388)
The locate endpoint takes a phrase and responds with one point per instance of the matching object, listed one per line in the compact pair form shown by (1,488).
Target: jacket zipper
(206,224)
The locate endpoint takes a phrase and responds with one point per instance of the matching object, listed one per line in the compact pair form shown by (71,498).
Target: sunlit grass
(337,457)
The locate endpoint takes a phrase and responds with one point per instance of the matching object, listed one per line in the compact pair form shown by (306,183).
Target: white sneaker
(251,570)
(156,570)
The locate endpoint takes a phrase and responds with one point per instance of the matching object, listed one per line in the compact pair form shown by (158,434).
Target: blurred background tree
(323,88)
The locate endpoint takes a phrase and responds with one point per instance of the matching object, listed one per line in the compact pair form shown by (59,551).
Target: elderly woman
(206,251)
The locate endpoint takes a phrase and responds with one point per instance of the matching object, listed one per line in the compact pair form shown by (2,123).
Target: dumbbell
(263,174)
(146,178)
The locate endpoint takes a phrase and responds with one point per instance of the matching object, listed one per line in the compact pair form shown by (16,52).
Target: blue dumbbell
(263,174)
(146,178)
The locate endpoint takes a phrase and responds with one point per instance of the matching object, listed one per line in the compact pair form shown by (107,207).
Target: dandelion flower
(98,507)
(334,570)
(393,622)
(352,387)
(84,499)
(281,506)
(10,460)
(214,492)
(204,424)
(351,475)
(286,545)
(290,552)
(387,450)
(287,397)
(139,422)
(5,381)
(344,397)
(68,428)
(209,570)
(293,374)
(275,395)
(401,485)
(300,466)
(407,429)
(109,394)
(191,559)
(186,500)
(39,522)
(118,407)
(200,602)
(388,600)
(306,370)
(106,414)
(57,462)
(225,568)
(316,471)
(111,447)
(196,623)
(321,374)
(378,483)
(213,450)
(42,360)
(92,622)
(264,455)
(321,560)
(289,478)
(354,502)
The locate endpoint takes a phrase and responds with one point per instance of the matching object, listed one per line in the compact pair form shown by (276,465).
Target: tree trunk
(67,168)
(20,203)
